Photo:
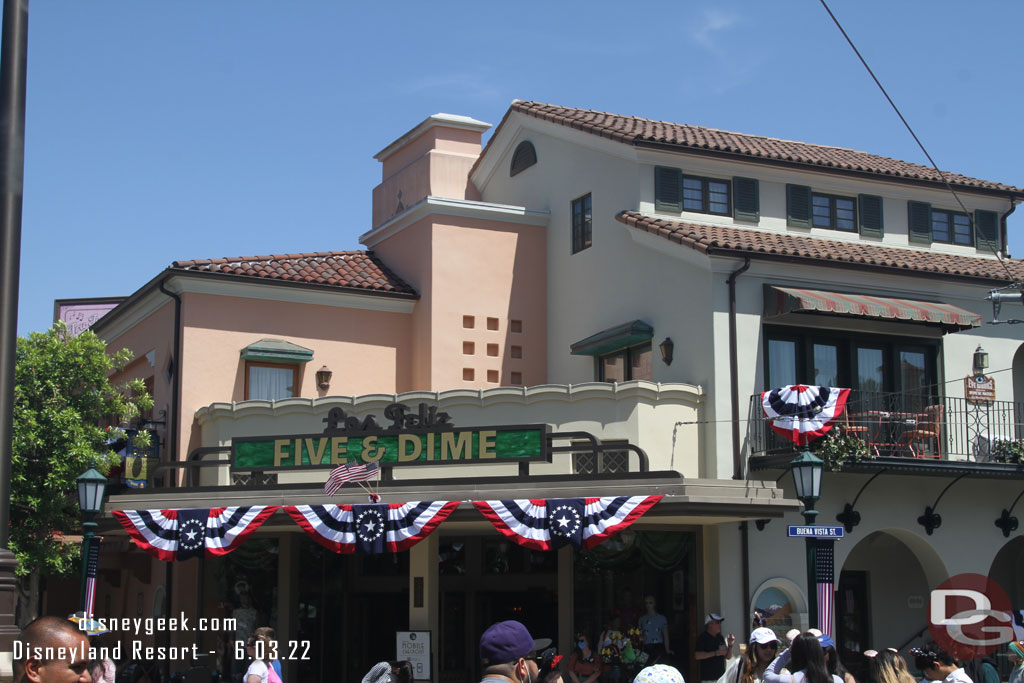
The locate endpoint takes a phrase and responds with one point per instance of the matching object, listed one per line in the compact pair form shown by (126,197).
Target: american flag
(346,473)
(825,570)
(92,560)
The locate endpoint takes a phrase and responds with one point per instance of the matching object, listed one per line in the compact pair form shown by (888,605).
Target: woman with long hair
(832,663)
(806,659)
(763,647)
(889,667)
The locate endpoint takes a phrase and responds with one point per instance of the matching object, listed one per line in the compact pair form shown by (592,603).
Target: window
(806,209)
(951,228)
(581,223)
(834,213)
(523,158)
(588,461)
(626,364)
(676,192)
(269,381)
(926,225)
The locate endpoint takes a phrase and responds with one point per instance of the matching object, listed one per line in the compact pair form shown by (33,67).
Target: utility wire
(945,180)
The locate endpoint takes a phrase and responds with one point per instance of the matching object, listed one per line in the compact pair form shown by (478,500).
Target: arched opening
(882,596)
(1018,390)
(781,605)
(524,157)
(1008,568)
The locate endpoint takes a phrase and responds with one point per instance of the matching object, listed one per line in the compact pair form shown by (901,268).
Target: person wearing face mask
(508,653)
(585,663)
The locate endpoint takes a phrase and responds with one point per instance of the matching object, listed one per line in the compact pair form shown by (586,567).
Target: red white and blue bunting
(171,535)
(803,413)
(382,528)
(550,524)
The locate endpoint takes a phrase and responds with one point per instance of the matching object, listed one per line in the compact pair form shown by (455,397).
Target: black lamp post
(91,487)
(807,473)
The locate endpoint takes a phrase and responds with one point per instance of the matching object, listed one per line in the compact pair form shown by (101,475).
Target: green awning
(782,300)
(613,339)
(277,351)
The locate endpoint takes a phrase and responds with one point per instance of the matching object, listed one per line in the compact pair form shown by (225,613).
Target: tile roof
(716,239)
(633,130)
(345,269)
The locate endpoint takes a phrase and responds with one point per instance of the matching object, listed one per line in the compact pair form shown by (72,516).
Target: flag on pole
(92,561)
(825,571)
(343,474)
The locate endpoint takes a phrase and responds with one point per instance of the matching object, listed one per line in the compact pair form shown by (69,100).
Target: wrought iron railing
(913,425)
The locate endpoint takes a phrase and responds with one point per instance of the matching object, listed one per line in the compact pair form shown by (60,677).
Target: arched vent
(525,156)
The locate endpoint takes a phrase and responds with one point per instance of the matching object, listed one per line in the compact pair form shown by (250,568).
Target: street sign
(810,531)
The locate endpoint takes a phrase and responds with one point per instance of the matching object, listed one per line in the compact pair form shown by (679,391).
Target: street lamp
(91,486)
(807,473)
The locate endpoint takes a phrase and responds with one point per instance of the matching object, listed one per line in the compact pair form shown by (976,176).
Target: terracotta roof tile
(633,130)
(710,239)
(344,269)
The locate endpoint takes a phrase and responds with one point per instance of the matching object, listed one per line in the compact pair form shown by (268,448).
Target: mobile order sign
(414,646)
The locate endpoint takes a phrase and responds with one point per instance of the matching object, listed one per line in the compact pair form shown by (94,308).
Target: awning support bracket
(1007,522)
(931,520)
(849,516)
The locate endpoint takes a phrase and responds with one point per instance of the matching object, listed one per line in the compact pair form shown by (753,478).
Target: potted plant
(1005,450)
(837,448)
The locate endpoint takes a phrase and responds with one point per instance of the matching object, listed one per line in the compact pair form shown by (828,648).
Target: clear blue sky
(160,131)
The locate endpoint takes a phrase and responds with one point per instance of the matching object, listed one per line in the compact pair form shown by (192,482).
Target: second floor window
(626,364)
(269,381)
(581,224)
(952,228)
(835,213)
(705,195)
(926,224)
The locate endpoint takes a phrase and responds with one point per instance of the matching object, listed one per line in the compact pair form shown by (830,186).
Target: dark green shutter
(986,230)
(919,222)
(870,215)
(798,206)
(668,189)
(746,201)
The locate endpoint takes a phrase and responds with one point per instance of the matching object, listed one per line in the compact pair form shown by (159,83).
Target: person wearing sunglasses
(585,664)
(749,668)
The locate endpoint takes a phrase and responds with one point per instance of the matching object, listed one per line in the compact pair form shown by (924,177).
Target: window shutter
(746,201)
(870,215)
(798,206)
(668,189)
(919,222)
(986,230)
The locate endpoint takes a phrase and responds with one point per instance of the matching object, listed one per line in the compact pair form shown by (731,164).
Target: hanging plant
(1008,451)
(837,448)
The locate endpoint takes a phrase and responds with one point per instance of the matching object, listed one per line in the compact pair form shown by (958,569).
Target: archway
(781,604)
(882,596)
(1008,569)
(1018,389)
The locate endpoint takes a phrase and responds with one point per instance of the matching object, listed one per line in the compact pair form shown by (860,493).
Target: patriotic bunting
(371,529)
(826,589)
(550,524)
(803,413)
(172,535)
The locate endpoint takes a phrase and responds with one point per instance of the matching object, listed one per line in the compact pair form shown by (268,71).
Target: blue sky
(160,131)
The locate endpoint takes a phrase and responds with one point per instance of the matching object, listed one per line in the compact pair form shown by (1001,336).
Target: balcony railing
(914,426)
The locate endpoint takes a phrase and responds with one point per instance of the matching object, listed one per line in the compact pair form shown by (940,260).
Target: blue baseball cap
(507,641)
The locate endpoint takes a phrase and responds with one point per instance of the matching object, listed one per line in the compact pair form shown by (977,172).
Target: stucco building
(631,285)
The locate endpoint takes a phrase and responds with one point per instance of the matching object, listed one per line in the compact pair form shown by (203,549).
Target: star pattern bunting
(802,413)
(549,524)
(371,529)
(172,535)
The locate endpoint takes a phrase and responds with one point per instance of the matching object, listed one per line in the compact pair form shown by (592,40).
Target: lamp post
(91,487)
(807,473)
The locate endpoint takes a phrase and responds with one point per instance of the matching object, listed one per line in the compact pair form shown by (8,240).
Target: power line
(942,175)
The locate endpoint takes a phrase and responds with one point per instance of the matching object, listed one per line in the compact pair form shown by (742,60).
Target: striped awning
(782,300)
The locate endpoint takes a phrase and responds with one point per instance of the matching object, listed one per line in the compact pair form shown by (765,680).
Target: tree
(66,412)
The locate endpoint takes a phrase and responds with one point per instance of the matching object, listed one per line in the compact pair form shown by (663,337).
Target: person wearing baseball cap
(712,649)
(508,653)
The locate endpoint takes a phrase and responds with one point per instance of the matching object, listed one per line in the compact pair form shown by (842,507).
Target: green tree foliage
(65,411)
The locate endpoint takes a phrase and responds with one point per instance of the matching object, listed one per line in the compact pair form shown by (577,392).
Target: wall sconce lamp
(666,350)
(323,378)
(980,360)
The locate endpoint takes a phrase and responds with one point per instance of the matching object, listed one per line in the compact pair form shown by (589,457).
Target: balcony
(893,426)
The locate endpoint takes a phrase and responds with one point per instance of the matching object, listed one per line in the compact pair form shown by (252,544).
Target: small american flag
(346,473)
(825,570)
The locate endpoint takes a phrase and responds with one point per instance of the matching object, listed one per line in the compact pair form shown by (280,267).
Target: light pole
(807,473)
(91,487)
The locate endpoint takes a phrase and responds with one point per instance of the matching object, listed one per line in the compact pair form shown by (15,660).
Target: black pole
(810,514)
(13,61)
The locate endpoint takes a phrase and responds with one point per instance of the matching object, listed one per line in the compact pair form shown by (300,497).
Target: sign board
(980,388)
(812,531)
(414,647)
(414,437)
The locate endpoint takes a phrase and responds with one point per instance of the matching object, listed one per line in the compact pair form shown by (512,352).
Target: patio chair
(928,428)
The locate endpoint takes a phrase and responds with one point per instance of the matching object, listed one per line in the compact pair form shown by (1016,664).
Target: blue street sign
(808,531)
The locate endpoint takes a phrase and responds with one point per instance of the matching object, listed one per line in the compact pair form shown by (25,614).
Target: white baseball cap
(712,617)
(763,636)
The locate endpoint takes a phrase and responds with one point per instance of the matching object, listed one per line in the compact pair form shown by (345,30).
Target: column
(287,598)
(566,602)
(425,596)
